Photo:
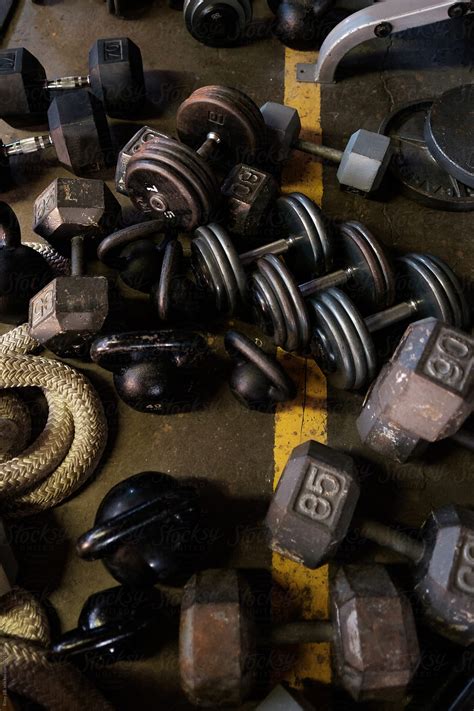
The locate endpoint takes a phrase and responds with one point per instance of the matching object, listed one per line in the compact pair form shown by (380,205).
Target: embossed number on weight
(214,117)
(451,360)
(7,61)
(320,495)
(43,305)
(464,576)
(113,51)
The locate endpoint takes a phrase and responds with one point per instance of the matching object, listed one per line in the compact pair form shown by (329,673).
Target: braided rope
(25,664)
(15,426)
(58,263)
(72,442)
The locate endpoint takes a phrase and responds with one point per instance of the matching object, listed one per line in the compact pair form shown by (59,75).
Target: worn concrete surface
(224,445)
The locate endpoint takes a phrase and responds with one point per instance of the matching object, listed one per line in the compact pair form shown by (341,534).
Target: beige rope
(72,442)
(25,664)
(15,426)
(59,264)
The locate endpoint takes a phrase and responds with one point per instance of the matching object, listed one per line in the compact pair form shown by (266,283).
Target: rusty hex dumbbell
(313,508)
(373,635)
(424,394)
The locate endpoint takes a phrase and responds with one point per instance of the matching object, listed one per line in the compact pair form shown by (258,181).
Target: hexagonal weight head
(142,136)
(426,392)
(22,85)
(365,161)
(376,650)
(250,194)
(68,313)
(116,75)
(72,206)
(445,575)
(80,132)
(313,504)
(216,639)
(283,129)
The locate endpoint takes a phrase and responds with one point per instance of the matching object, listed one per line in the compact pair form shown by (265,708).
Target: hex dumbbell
(170,180)
(312,510)
(115,78)
(423,395)
(79,133)
(220,269)
(362,164)
(117,624)
(158,372)
(143,530)
(219,639)
(341,341)
(280,305)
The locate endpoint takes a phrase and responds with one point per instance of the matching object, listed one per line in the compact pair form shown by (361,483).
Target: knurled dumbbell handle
(77,255)
(305,632)
(27,145)
(280,246)
(63,83)
(389,316)
(209,145)
(316,149)
(394,540)
(337,278)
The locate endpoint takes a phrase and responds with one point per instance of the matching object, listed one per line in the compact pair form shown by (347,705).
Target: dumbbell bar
(116,79)
(311,512)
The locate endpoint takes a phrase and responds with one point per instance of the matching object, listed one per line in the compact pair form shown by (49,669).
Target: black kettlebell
(155,371)
(146,530)
(116,624)
(175,297)
(136,252)
(23,271)
(302,24)
(258,380)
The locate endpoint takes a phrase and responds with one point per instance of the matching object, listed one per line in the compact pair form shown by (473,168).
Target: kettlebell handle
(10,233)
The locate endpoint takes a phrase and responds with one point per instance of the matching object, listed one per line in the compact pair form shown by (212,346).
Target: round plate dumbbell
(279,303)
(341,339)
(172,181)
(311,512)
(115,78)
(220,269)
(217,23)
(78,130)
(143,530)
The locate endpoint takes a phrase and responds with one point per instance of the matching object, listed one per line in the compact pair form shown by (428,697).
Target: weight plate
(447,287)
(305,257)
(292,290)
(420,176)
(449,132)
(266,309)
(417,283)
(292,340)
(227,275)
(233,259)
(207,272)
(320,228)
(457,292)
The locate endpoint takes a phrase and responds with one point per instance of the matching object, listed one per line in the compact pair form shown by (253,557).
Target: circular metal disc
(207,272)
(417,283)
(233,258)
(414,167)
(292,342)
(306,256)
(266,310)
(457,292)
(295,296)
(449,132)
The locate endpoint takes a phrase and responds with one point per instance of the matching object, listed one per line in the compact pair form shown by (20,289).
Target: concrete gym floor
(226,447)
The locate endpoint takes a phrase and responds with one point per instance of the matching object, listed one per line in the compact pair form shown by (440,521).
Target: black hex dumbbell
(158,372)
(424,394)
(67,313)
(310,515)
(374,642)
(78,130)
(173,181)
(146,531)
(340,337)
(23,269)
(117,624)
(115,78)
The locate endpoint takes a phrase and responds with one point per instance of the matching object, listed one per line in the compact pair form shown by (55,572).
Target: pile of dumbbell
(217,239)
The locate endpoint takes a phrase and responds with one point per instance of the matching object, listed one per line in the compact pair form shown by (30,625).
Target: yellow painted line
(306,418)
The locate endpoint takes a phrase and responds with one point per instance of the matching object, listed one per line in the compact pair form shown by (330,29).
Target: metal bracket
(379,20)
